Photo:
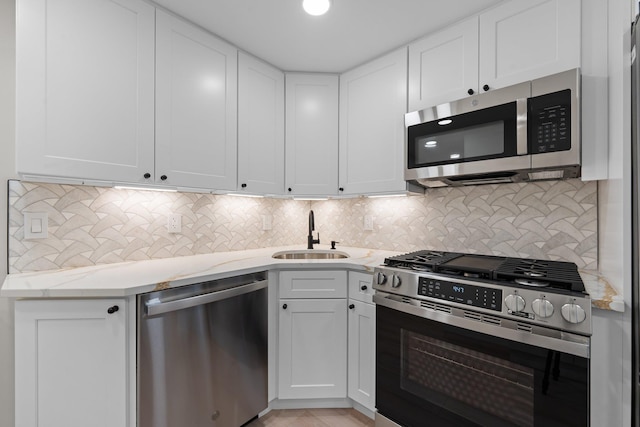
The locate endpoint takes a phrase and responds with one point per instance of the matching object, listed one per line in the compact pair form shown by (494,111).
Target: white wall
(7,170)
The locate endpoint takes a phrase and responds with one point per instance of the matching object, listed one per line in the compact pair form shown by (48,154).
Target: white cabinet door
(196,107)
(71,363)
(362,353)
(373,101)
(85,89)
(313,284)
(312,349)
(311,134)
(444,66)
(520,41)
(260,127)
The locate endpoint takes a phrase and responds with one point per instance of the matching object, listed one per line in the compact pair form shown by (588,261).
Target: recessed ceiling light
(316,7)
(455,156)
(445,122)
(431,143)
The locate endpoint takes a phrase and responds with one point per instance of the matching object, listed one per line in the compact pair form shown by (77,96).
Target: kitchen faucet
(310,239)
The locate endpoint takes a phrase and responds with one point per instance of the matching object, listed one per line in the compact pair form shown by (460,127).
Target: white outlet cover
(266,222)
(174,223)
(36,225)
(368,223)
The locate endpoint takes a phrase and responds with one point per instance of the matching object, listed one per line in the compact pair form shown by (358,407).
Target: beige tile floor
(313,418)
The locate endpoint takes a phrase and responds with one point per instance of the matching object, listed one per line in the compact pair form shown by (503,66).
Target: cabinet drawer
(360,286)
(313,284)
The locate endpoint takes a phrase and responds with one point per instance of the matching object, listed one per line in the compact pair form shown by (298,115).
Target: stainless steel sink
(310,254)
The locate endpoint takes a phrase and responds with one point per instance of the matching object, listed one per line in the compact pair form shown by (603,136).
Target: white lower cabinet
(71,363)
(312,357)
(361,345)
(362,353)
(312,334)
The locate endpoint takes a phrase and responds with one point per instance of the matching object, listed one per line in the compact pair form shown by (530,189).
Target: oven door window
(479,135)
(430,373)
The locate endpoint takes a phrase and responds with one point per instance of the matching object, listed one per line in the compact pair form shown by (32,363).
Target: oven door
(430,372)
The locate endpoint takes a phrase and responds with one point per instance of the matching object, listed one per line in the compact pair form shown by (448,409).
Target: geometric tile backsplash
(94,225)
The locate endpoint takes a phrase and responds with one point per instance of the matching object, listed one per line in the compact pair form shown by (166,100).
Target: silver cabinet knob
(381,279)
(573,313)
(514,302)
(542,307)
(395,281)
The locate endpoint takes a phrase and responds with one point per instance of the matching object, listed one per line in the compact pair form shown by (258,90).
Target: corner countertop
(136,277)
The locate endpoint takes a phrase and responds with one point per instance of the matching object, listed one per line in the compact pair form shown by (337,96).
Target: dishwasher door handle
(154,309)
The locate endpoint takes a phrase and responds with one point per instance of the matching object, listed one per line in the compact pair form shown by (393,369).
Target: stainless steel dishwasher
(202,353)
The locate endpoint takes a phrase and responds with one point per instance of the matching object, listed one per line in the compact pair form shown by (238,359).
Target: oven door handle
(547,338)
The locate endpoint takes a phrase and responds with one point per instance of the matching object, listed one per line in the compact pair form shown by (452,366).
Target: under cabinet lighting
(311,198)
(377,196)
(255,196)
(126,187)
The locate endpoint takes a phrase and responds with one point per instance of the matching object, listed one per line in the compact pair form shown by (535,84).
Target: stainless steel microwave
(525,132)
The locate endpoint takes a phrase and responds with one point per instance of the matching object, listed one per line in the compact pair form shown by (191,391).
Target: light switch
(36,225)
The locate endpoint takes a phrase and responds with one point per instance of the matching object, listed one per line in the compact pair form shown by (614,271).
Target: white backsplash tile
(92,225)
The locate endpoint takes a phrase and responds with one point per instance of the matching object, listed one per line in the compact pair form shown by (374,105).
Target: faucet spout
(312,227)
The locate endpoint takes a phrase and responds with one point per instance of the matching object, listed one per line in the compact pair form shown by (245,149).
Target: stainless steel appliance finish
(523,157)
(202,353)
(635,221)
(456,332)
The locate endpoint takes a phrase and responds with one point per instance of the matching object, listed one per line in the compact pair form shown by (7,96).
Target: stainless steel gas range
(475,340)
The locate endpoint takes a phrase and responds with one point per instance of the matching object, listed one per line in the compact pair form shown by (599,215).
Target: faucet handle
(333,244)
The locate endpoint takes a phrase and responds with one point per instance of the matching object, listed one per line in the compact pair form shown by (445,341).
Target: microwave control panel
(549,122)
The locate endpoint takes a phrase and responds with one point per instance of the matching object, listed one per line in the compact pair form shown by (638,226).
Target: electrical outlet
(266,222)
(174,223)
(368,223)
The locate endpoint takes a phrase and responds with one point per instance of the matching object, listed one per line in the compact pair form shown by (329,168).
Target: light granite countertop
(136,277)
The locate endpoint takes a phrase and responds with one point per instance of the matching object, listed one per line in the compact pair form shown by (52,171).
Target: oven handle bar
(564,342)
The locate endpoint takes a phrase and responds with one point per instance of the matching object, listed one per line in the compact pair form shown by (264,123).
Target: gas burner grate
(420,260)
(557,274)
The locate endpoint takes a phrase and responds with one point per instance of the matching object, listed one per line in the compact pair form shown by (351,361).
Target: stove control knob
(395,281)
(542,307)
(573,313)
(514,302)
(381,279)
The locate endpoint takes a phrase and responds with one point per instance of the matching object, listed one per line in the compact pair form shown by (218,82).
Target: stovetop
(557,276)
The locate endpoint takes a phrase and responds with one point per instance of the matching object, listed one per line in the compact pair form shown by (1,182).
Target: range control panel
(476,296)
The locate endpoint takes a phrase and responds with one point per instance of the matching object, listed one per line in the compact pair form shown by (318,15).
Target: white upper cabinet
(260,127)
(373,101)
(196,107)
(311,135)
(521,41)
(508,44)
(444,66)
(85,88)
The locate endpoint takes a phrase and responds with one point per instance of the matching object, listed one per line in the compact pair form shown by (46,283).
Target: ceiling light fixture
(316,7)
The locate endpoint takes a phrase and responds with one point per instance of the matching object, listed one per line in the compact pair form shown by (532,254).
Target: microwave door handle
(521,126)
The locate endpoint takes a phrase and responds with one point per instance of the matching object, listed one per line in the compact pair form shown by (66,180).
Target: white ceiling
(351,33)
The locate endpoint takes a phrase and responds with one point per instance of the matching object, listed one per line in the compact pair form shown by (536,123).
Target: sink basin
(310,254)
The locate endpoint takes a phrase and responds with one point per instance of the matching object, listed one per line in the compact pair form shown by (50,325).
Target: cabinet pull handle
(341,188)
(284,306)
(485,88)
(470,91)
(289,189)
(352,306)
(113,309)
(363,287)
(243,185)
(163,177)
(147,175)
